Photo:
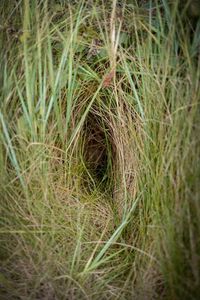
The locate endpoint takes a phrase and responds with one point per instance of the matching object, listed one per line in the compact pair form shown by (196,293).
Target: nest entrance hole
(98,150)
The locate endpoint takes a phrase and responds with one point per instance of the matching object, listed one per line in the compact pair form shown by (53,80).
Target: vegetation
(99,119)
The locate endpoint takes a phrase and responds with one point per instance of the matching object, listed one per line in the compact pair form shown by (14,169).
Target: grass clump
(99,150)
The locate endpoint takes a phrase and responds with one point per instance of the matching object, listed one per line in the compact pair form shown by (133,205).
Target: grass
(99,119)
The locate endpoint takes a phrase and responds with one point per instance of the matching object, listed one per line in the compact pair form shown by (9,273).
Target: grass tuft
(99,119)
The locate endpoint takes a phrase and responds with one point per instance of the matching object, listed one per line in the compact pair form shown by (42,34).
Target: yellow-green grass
(99,116)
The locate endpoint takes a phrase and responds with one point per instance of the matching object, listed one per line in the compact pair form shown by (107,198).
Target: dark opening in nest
(98,150)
